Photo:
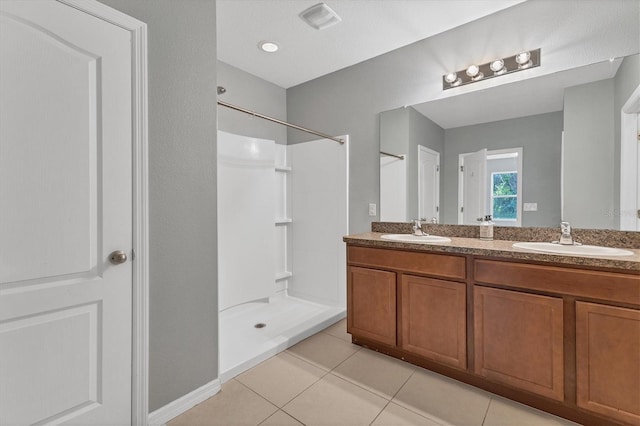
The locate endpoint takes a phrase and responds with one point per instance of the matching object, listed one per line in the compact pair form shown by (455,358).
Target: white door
(428,183)
(473,187)
(65,205)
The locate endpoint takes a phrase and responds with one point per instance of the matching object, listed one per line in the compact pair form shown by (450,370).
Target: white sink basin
(409,238)
(573,250)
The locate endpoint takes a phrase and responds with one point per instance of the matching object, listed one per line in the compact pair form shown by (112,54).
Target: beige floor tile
(280,418)
(339,330)
(235,405)
(503,412)
(280,378)
(323,350)
(443,399)
(378,373)
(334,401)
(395,415)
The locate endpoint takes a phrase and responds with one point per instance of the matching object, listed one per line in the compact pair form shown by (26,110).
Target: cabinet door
(434,319)
(518,340)
(608,360)
(371,304)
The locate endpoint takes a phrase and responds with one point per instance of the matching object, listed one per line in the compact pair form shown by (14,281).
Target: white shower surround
(246,204)
(315,296)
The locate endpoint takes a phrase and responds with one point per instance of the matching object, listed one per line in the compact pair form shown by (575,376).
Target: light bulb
(451,77)
(523,58)
(473,70)
(497,67)
(268,46)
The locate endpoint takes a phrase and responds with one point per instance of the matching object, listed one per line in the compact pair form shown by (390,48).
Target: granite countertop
(498,248)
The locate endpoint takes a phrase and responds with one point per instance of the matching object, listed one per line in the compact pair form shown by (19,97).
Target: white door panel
(474,193)
(65,204)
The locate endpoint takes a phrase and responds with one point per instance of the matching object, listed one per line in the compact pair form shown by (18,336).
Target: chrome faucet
(417,228)
(565,234)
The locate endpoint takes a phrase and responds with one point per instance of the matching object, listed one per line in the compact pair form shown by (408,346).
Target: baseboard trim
(173,409)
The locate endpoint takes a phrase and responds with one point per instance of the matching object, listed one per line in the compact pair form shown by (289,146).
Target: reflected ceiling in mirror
(533,96)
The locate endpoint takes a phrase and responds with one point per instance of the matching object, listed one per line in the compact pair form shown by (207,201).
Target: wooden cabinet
(371,299)
(434,319)
(559,338)
(519,340)
(608,360)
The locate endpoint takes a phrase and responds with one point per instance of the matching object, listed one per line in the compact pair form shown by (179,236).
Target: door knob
(118,257)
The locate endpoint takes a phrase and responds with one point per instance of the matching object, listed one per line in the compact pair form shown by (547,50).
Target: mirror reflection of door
(428,184)
(472,188)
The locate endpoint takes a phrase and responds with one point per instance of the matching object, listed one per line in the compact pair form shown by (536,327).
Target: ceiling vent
(320,16)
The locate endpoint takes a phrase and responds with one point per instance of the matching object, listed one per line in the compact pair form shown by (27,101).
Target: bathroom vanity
(559,333)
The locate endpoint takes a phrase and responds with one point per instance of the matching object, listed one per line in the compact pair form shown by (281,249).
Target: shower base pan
(253,332)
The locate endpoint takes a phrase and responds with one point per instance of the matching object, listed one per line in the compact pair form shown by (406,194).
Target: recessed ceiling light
(268,46)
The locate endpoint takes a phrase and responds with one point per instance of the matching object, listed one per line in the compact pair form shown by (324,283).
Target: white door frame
(140,258)
(629,167)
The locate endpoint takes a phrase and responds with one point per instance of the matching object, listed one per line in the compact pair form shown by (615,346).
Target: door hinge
(638,214)
(462,168)
(461,209)
(133,255)
(438,209)
(437,168)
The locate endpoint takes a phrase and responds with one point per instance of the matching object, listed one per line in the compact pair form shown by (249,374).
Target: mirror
(567,125)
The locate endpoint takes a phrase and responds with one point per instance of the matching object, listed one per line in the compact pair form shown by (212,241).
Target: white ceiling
(369,28)
(571,34)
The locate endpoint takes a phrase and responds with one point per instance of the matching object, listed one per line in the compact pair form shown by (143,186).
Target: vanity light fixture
(497,67)
(268,46)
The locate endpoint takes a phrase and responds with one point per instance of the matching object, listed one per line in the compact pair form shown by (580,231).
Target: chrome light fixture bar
(474,73)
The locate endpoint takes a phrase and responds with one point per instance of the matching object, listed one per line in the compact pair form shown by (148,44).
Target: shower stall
(282,212)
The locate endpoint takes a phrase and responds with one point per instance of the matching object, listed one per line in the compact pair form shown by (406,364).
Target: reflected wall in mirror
(568,124)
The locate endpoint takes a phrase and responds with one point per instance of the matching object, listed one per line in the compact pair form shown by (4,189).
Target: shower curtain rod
(392,155)
(275,120)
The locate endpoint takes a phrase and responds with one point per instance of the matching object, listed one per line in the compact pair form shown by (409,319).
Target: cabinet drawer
(623,288)
(442,265)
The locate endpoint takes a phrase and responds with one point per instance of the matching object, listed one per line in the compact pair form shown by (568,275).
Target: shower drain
(260,325)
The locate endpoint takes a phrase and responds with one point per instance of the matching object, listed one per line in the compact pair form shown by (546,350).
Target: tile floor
(327,380)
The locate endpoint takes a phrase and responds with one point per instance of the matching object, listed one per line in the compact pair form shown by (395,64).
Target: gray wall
(540,137)
(183,335)
(350,100)
(253,93)
(589,155)
(626,81)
